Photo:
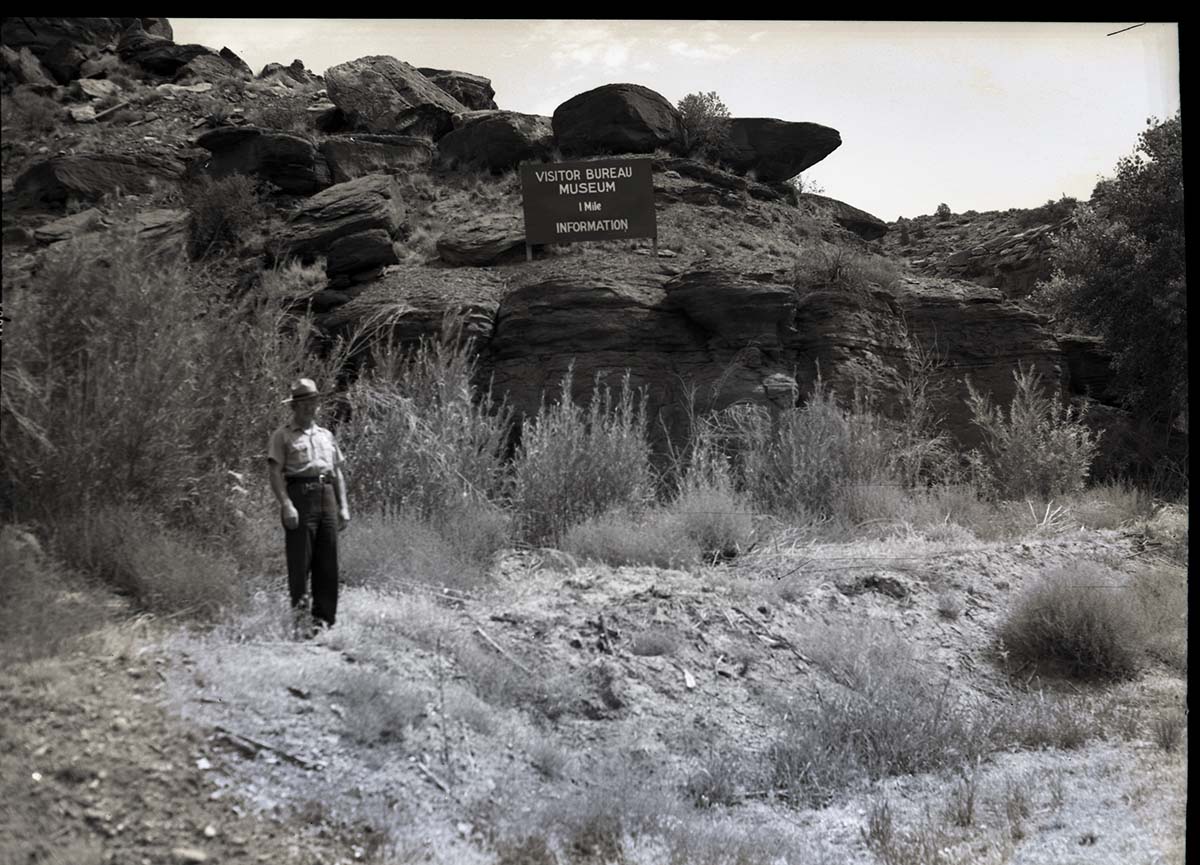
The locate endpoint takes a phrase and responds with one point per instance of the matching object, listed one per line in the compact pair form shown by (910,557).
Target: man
(305,467)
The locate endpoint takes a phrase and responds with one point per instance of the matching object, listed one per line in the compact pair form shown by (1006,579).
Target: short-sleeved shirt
(304,452)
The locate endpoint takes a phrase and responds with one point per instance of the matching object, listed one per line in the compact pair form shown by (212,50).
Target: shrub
(1078,619)
(575,463)
(1040,447)
(28,115)
(222,213)
(805,461)
(842,267)
(888,718)
(126,385)
(943,211)
(718,521)
(705,124)
(161,569)
(420,439)
(284,117)
(1049,213)
(1121,273)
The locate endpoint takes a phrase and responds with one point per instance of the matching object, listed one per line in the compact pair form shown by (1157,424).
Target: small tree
(1122,273)
(705,124)
(943,211)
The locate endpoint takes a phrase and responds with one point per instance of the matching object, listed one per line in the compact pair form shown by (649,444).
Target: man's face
(304,410)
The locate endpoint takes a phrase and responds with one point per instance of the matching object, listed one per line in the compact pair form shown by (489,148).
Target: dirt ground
(410,732)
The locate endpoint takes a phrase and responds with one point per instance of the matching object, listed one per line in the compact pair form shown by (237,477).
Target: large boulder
(852,219)
(383,94)
(361,252)
(156,54)
(776,149)
(482,241)
(64,60)
(497,140)
(40,34)
(294,72)
(290,162)
(88,176)
(617,118)
(370,205)
(209,67)
(236,62)
(351,156)
(473,91)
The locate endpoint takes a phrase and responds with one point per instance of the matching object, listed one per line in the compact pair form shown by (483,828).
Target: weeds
(618,538)
(377,709)
(1169,729)
(45,612)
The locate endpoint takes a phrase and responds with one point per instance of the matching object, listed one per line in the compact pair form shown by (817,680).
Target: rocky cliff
(411,207)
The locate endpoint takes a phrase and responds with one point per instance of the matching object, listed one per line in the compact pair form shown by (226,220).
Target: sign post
(569,202)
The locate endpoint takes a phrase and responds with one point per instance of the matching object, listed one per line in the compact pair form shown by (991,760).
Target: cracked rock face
(383,94)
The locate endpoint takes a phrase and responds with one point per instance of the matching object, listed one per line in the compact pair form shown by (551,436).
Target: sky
(980,116)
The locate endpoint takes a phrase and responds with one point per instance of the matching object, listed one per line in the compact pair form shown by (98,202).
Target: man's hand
(289,515)
(343,518)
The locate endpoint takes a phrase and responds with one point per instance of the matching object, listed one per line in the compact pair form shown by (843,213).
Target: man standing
(306,477)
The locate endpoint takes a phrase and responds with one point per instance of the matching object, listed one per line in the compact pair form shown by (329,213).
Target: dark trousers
(312,548)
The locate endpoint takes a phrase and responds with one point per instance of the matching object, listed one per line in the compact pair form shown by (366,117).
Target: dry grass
(618,538)
(377,707)
(45,611)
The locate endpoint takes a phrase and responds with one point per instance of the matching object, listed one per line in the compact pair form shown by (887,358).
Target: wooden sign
(608,199)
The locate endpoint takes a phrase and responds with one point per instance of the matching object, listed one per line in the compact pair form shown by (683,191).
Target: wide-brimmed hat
(303,388)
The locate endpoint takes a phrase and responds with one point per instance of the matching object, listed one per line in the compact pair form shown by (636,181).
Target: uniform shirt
(304,452)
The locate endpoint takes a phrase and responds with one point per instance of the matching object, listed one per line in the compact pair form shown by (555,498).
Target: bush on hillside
(126,383)
(574,463)
(28,115)
(1078,619)
(420,439)
(1040,447)
(1049,213)
(943,211)
(805,461)
(705,124)
(222,214)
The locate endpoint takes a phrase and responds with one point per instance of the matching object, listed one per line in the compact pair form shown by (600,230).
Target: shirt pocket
(299,452)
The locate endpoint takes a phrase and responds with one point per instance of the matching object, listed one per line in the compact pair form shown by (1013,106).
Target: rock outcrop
(236,62)
(294,72)
(157,55)
(290,162)
(860,222)
(473,91)
(1013,262)
(383,94)
(482,241)
(351,156)
(776,149)
(497,140)
(617,118)
(352,224)
(88,176)
(210,67)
